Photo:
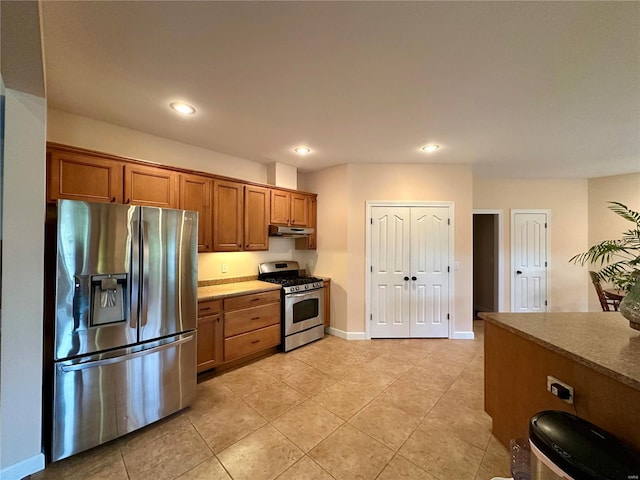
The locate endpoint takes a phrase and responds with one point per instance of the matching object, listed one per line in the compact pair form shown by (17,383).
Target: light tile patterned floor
(335,409)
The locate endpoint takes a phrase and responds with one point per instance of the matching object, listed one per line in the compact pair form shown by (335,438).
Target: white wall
(568,203)
(22,285)
(603,223)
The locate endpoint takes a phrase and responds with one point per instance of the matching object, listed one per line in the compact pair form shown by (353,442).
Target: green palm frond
(625,212)
(619,259)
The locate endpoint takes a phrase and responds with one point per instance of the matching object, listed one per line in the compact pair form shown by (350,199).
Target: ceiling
(517,89)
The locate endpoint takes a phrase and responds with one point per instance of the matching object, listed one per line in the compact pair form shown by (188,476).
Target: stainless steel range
(302,302)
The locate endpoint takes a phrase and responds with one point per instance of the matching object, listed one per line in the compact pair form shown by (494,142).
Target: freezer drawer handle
(109,361)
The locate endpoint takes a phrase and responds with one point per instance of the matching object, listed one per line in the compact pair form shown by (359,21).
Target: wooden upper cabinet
(153,186)
(299,210)
(257,201)
(227,216)
(195,194)
(280,207)
(76,176)
(289,208)
(309,243)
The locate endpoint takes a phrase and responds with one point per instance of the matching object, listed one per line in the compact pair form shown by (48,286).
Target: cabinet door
(309,243)
(227,216)
(82,177)
(257,201)
(151,186)
(210,342)
(280,207)
(299,210)
(327,303)
(195,194)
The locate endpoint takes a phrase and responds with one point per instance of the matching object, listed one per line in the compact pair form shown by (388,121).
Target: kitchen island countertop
(602,341)
(214,292)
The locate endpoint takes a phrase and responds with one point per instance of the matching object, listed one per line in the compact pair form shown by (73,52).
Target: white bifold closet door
(410,272)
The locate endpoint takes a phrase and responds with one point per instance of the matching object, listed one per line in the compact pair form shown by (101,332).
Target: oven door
(303,310)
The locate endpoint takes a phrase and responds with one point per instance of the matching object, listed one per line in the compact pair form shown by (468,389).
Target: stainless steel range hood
(289,232)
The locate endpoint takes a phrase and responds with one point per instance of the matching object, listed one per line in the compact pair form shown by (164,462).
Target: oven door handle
(302,294)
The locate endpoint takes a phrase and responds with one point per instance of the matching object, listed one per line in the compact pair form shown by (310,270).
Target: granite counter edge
(565,353)
(268,287)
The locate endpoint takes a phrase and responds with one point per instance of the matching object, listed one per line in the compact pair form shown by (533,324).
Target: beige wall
(567,201)
(70,129)
(330,259)
(603,223)
(342,195)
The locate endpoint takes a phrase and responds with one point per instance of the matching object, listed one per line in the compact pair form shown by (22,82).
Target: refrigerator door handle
(123,358)
(144,273)
(135,273)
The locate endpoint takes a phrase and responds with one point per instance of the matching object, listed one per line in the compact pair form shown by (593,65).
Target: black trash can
(564,446)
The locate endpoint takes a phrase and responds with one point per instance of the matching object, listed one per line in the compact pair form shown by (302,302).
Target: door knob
(414,278)
(519,272)
(406,279)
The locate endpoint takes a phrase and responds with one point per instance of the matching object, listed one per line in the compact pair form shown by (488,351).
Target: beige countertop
(213,292)
(602,341)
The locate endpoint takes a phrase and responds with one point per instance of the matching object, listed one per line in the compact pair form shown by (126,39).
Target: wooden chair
(607,304)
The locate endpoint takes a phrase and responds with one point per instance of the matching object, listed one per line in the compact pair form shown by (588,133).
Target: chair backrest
(596,283)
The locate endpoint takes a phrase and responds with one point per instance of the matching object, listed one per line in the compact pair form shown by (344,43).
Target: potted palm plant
(620,262)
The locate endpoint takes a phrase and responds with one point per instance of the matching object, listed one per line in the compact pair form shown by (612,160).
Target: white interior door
(430,269)
(409,272)
(529,261)
(390,257)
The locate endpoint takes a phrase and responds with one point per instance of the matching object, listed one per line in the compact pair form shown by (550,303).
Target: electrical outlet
(560,389)
(223,268)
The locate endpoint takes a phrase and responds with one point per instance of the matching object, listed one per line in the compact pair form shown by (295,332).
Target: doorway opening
(487,261)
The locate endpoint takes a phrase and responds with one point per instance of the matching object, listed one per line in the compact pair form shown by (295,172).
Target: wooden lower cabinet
(237,327)
(251,342)
(327,303)
(210,335)
(251,324)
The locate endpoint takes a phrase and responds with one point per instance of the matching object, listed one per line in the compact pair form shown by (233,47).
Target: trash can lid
(581,449)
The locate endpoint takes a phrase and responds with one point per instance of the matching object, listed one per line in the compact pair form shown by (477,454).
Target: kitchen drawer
(208,307)
(248,343)
(242,321)
(251,300)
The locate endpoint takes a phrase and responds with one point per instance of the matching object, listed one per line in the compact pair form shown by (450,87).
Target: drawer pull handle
(205,308)
(255,299)
(256,341)
(255,318)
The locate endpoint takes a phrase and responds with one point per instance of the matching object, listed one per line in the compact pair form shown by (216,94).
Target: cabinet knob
(414,278)
(406,279)
(128,201)
(113,199)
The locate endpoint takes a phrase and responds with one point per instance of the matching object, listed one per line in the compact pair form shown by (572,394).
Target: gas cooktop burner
(287,274)
(291,281)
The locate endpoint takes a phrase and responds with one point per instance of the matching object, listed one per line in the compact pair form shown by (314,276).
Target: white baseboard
(346,335)
(463,336)
(21,469)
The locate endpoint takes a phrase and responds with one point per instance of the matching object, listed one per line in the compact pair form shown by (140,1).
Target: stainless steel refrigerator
(124,341)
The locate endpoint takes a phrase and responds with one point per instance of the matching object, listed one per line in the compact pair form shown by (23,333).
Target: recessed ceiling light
(182,108)
(302,150)
(430,148)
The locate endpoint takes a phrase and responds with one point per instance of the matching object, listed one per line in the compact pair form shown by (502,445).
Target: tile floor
(335,409)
